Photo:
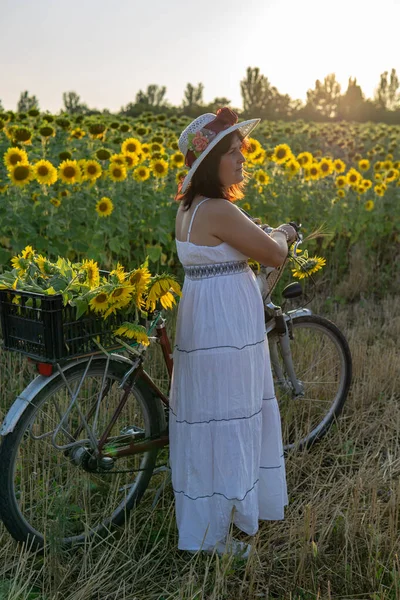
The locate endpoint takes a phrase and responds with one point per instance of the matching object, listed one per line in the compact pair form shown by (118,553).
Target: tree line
(325,102)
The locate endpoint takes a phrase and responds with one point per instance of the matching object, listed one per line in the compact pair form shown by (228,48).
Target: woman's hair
(205,180)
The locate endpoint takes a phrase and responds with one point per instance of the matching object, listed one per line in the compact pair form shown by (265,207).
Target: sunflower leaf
(154,252)
(81,307)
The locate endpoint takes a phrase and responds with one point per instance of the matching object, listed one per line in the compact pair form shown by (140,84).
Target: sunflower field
(102,187)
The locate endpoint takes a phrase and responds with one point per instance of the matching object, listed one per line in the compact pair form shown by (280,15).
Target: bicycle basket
(40,327)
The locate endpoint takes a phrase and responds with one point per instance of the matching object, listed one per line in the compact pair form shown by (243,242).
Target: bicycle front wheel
(323,367)
(52,486)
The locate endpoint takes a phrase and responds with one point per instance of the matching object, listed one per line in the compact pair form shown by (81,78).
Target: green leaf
(5,256)
(114,244)
(81,307)
(154,252)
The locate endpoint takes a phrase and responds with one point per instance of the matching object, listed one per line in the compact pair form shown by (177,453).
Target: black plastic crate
(45,330)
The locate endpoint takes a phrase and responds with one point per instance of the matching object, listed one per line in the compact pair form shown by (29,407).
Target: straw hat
(202,134)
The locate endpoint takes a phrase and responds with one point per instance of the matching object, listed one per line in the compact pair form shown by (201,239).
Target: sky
(107,51)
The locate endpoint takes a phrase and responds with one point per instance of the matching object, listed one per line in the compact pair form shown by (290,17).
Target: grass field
(341,534)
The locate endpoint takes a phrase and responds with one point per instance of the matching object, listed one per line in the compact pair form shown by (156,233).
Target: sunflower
(392,175)
(43,264)
(13,156)
(251,148)
(325,167)
(21,174)
(292,167)
(364,164)
(159,167)
(305,158)
(307,266)
(353,177)
(341,193)
(69,172)
(281,154)
(369,205)
(379,191)
(47,131)
(44,172)
(339,165)
(133,332)
(22,135)
(77,133)
(180,175)
(92,273)
(262,177)
(91,170)
(117,158)
(117,172)
(340,181)
(104,207)
(156,147)
(366,183)
(177,160)
(20,264)
(130,160)
(131,146)
(313,171)
(103,154)
(99,303)
(141,173)
(55,202)
(28,253)
(387,165)
(119,273)
(144,151)
(3,188)
(121,296)
(161,286)
(140,278)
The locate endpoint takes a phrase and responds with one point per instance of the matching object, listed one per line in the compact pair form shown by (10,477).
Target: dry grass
(341,535)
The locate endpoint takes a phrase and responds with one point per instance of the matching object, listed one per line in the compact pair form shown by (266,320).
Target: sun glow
(303,42)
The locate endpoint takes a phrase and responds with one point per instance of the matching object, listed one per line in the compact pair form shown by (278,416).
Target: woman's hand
(290,230)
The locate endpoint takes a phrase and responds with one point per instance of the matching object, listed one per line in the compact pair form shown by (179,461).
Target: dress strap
(191,220)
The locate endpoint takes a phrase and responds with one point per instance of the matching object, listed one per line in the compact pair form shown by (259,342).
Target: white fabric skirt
(226,450)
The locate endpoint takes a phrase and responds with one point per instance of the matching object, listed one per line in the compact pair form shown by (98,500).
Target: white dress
(224,424)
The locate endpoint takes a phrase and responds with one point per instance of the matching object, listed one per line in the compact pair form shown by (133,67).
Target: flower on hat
(199,141)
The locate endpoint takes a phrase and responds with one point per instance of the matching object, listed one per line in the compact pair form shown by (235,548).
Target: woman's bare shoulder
(222,206)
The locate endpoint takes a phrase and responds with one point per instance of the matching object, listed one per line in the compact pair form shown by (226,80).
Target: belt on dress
(216,269)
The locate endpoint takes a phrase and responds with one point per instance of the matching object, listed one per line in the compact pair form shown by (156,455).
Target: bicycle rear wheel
(54,489)
(323,366)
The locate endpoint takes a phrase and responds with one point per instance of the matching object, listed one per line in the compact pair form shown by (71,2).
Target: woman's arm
(229,224)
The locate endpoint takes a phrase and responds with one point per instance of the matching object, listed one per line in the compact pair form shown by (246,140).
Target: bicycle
(80,443)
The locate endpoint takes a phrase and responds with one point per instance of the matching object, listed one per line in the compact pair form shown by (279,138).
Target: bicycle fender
(296,313)
(290,315)
(22,401)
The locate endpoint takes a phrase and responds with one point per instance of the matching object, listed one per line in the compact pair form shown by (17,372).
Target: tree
(1,105)
(218,103)
(73,104)
(256,91)
(387,96)
(193,96)
(26,102)
(154,96)
(352,104)
(323,100)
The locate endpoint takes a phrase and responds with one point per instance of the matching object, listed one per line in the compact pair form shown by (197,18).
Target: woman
(226,449)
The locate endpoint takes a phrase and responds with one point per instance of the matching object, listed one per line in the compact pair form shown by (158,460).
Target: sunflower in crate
(130,295)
